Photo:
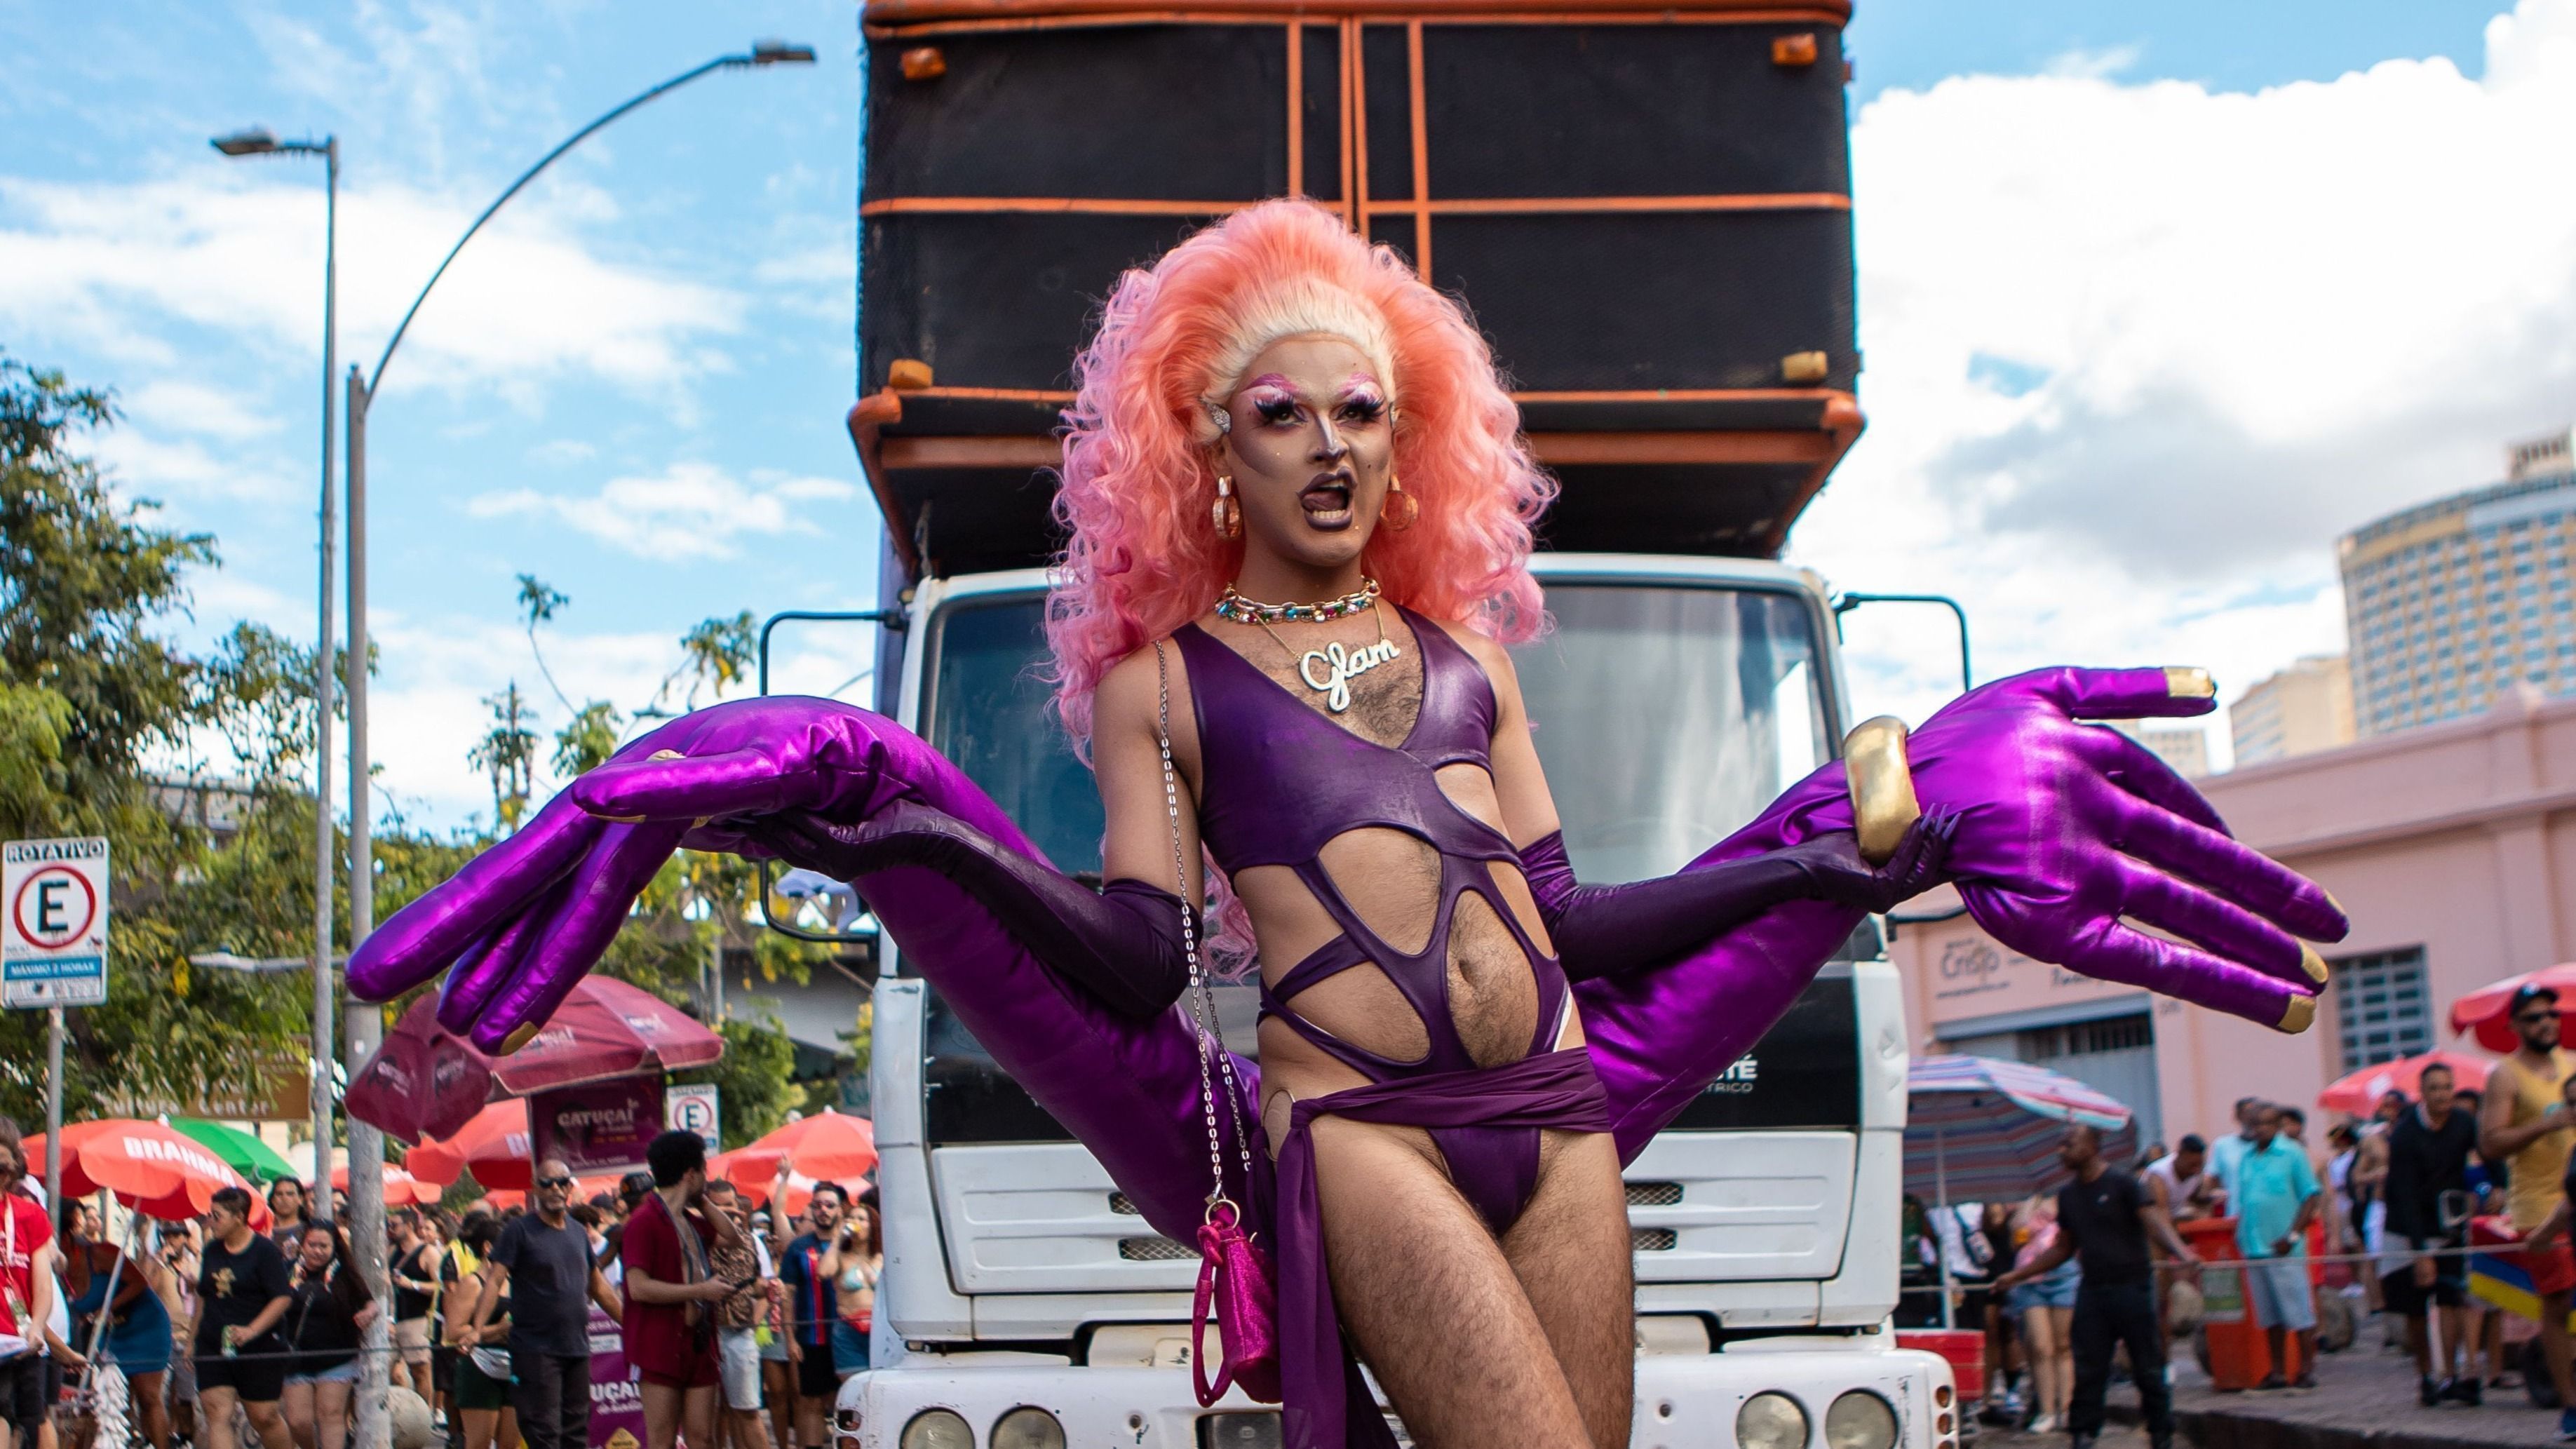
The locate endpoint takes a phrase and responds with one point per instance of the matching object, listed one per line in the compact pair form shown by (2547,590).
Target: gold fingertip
(1883,802)
(2338,905)
(526,1032)
(2187,683)
(2312,963)
(2299,1015)
(659,755)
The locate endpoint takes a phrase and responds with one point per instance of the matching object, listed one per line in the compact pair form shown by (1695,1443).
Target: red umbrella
(401,1188)
(427,1082)
(157,1171)
(494,1142)
(828,1146)
(2360,1092)
(2482,1010)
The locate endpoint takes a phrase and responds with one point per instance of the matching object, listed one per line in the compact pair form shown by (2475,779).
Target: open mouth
(1327,500)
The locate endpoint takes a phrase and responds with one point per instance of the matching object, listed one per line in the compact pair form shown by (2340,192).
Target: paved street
(2362,1395)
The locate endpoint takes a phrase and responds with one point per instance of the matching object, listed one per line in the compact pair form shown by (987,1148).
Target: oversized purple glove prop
(525,920)
(2064,832)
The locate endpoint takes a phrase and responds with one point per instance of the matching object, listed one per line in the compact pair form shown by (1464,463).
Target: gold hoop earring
(1227,516)
(1400,508)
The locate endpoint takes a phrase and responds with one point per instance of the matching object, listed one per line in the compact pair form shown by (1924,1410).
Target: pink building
(2452,846)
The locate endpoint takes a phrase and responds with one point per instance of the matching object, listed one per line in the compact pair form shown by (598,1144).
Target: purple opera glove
(526,919)
(1608,930)
(1122,943)
(2063,829)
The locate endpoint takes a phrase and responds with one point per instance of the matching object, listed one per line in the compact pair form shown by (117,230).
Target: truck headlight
(1860,1420)
(1034,1428)
(1769,1420)
(937,1429)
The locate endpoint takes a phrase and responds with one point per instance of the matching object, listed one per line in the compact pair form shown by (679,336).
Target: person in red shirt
(672,1292)
(26,1298)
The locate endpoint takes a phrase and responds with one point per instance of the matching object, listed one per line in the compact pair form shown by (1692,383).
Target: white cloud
(428,707)
(2139,353)
(688,511)
(192,407)
(185,471)
(122,266)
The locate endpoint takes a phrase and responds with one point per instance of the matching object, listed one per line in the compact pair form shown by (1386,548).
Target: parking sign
(692,1109)
(53,922)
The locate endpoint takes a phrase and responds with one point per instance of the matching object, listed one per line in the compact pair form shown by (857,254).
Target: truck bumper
(1683,1401)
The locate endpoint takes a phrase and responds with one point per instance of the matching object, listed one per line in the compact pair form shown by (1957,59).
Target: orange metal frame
(894,13)
(1817,449)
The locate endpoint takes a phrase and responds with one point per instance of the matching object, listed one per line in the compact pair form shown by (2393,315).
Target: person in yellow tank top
(2524,1124)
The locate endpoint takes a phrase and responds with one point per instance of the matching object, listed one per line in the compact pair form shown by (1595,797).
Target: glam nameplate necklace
(1327,671)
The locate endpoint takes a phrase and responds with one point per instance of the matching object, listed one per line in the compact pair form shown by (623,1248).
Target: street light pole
(260,142)
(373,1429)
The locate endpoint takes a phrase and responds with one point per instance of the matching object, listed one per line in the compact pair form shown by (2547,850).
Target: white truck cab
(1026,1305)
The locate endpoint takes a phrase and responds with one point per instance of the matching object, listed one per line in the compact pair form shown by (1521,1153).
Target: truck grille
(1653,1240)
(1654,1194)
(1164,1250)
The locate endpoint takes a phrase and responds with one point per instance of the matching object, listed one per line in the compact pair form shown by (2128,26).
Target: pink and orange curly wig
(1143,556)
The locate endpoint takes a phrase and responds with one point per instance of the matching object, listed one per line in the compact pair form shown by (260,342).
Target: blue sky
(632,385)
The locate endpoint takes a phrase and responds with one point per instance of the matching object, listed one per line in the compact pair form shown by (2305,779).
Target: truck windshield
(1667,717)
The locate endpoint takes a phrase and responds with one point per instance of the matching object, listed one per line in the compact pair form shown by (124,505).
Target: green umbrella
(241,1151)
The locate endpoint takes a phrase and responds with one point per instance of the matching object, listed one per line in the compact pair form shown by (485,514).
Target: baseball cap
(2528,993)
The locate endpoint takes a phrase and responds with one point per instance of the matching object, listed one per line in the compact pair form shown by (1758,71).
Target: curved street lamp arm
(575,139)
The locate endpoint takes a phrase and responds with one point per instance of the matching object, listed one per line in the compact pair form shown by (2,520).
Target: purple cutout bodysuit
(1280,780)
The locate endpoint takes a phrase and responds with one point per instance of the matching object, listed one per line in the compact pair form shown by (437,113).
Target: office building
(2185,747)
(2304,708)
(2454,603)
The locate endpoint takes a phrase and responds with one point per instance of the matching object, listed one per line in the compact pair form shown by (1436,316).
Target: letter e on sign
(53,922)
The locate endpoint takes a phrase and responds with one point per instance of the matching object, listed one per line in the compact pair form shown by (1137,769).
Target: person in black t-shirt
(242,1291)
(2428,1155)
(542,1264)
(2103,1219)
(331,1309)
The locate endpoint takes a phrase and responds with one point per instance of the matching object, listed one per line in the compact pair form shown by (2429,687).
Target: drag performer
(1299,521)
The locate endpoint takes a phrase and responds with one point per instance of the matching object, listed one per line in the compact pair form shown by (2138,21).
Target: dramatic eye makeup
(1362,401)
(1272,398)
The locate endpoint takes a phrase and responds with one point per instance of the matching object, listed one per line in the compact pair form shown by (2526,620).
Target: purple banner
(616,1405)
(597,1127)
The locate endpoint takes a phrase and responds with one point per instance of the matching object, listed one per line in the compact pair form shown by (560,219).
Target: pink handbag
(1236,1278)
(1237,1275)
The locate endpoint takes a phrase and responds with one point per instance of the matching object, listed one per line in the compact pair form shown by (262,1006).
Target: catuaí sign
(53,922)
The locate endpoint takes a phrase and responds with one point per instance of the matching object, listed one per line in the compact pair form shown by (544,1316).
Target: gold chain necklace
(1327,671)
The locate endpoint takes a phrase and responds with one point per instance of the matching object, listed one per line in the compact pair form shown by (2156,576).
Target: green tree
(89,692)
(508,755)
(588,741)
(538,601)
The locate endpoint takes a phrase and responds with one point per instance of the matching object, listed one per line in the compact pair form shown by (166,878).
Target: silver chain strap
(1203,1023)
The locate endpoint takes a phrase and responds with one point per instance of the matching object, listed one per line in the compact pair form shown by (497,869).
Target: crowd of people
(2059,1283)
(737,1324)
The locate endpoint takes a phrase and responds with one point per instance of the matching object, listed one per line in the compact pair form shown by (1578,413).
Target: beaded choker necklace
(1327,671)
(1235,608)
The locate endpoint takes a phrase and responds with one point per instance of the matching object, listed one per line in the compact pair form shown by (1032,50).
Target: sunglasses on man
(554,1182)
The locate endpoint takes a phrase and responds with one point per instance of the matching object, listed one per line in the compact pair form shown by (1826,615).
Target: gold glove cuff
(1882,786)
